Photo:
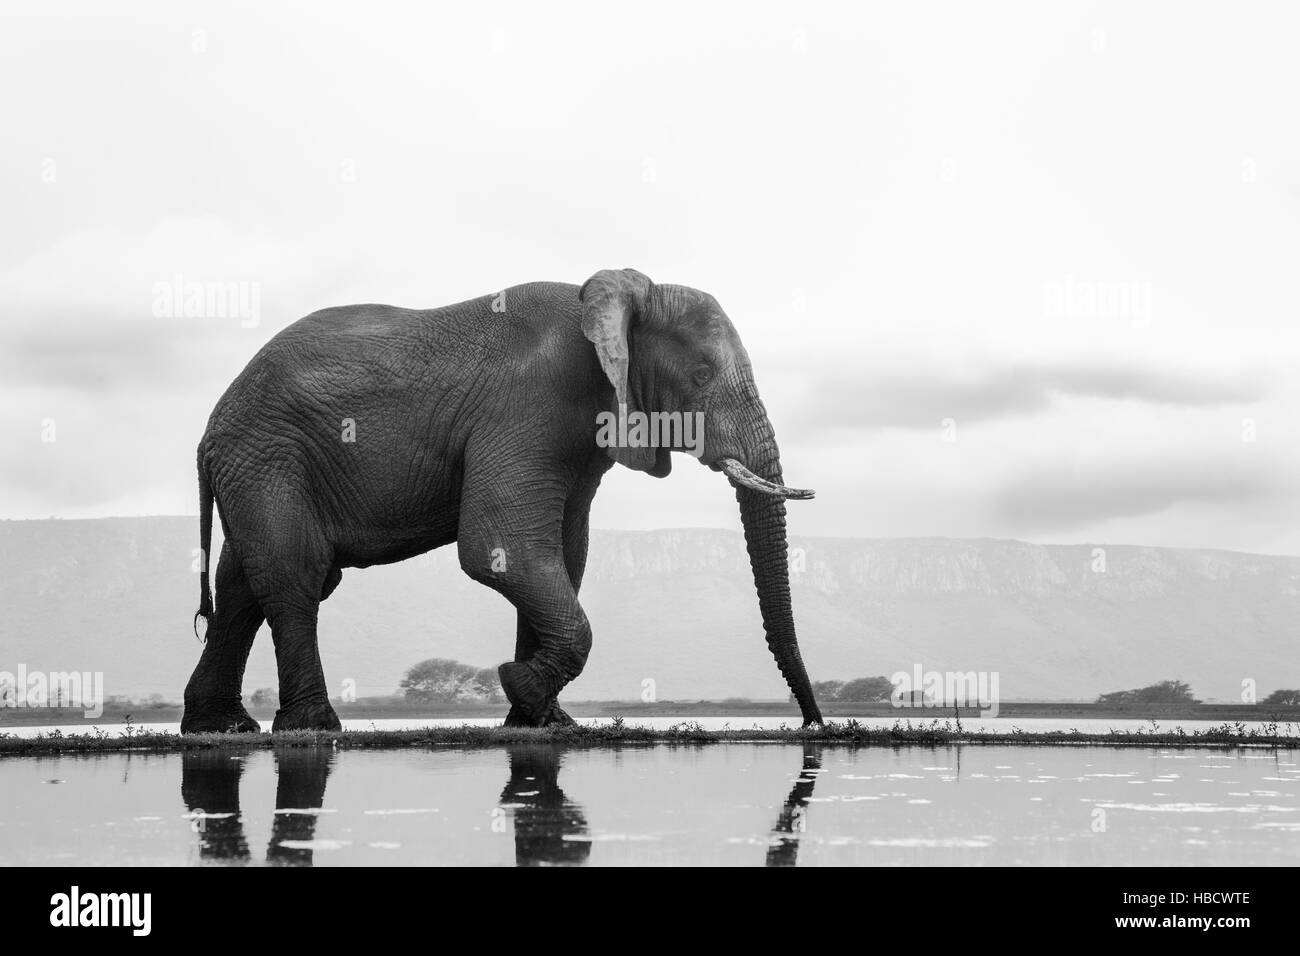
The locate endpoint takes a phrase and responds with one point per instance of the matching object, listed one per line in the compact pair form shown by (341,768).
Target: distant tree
(866,689)
(823,690)
(826,689)
(1163,692)
(863,689)
(1284,698)
(442,681)
(265,696)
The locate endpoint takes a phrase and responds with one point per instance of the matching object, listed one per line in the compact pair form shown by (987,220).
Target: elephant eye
(702,376)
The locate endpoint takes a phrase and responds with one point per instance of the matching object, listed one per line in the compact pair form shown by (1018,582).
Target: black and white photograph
(684,435)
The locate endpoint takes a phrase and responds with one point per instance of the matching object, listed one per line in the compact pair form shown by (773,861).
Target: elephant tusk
(741,475)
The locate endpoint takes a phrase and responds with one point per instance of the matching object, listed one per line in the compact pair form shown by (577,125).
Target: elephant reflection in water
(210,788)
(783,849)
(301,774)
(549,828)
(546,822)
(552,830)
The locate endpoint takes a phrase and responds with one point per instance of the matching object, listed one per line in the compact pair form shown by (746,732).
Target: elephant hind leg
(289,565)
(304,700)
(213,696)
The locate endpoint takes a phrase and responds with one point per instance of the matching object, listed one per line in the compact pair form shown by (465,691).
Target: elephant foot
(516,718)
(218,719)
(315,714)
(554,717)
(530,704)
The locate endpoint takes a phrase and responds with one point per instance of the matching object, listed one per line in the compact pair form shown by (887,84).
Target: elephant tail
(205,546)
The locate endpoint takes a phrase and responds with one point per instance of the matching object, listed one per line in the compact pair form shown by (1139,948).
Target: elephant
(369,434)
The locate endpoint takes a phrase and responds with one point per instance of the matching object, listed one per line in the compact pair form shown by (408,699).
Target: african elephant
(368,434)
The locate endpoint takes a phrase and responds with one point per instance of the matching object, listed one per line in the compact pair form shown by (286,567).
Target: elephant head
(682,381)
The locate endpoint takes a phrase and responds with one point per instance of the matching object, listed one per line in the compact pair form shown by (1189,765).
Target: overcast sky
(1010,270)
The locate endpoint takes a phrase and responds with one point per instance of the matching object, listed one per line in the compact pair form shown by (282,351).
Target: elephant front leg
(527,644)
(577,513)
(545,599)
(531,550)
(554,716)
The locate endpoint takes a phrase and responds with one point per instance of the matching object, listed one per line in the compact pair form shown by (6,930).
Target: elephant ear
(612,301)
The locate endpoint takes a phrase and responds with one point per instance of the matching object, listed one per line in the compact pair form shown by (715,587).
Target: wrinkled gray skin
(472,425)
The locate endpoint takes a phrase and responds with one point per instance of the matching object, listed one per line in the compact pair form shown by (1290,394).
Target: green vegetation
(860,690)
(1283,698)
(265,697)
(1163,692)
(442,681)
(617,733)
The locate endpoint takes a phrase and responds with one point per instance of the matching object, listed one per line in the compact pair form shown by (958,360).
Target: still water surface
(733,804)
(1000,725)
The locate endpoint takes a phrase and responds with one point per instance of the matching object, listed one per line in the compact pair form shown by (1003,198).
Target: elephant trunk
(762,512)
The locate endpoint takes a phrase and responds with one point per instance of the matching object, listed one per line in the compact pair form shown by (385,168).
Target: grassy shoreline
(849,733)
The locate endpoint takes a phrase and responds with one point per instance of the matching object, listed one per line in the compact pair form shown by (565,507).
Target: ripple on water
(934,842)
(302,811)
(609,838)
(408,810)
(1192,807)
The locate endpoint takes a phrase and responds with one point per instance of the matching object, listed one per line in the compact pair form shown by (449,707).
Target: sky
(1004,270)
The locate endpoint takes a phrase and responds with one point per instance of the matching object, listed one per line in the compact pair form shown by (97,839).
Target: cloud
(84,312)
(885,273)
(102,400)
(1068,498)
(921,400)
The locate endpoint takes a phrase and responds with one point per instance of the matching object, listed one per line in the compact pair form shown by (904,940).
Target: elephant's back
(484,321)
(389,364)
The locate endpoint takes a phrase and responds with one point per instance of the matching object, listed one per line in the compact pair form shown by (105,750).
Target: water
(1003,725)
(680,805)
